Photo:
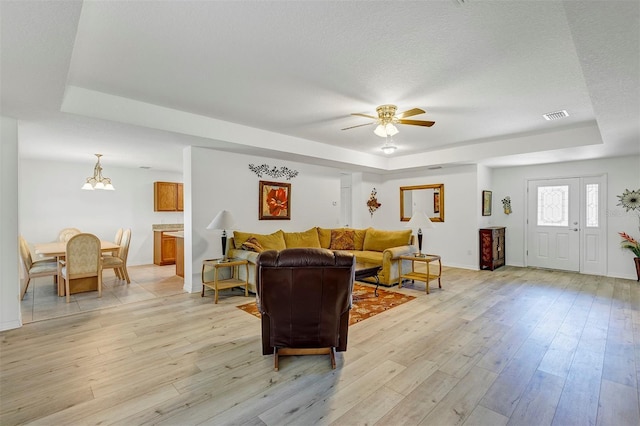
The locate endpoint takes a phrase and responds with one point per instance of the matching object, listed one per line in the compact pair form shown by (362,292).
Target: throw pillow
(324,235)
(378,240)
(273,241)
(252,244)
(304,239)
(342,239)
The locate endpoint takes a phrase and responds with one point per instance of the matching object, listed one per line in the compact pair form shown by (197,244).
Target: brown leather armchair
(304,296)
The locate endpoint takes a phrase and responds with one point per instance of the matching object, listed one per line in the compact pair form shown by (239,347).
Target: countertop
(178,234)
(168,227)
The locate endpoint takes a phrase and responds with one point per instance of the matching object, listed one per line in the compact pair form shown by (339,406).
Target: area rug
(365,303)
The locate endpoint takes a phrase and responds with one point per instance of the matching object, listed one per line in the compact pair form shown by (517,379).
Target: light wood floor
(514,346)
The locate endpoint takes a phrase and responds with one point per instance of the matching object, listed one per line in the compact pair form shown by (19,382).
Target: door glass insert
(553,205)
(592,205)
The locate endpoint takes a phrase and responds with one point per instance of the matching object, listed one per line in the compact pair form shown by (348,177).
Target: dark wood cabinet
(168,197)
(492,253)
(164,249)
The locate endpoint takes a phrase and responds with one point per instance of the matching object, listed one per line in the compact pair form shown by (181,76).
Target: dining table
(58,250)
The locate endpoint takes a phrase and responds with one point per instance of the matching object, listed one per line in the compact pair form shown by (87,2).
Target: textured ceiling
(139,80)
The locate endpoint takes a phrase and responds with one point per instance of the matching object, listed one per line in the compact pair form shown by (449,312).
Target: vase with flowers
(630,243)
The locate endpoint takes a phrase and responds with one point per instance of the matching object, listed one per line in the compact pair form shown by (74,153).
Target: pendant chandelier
(97,181)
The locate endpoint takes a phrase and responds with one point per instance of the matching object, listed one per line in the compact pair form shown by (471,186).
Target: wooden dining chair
(116,239)
(119,261)
(67,233)
(34,269)
(118,236)
(82,260)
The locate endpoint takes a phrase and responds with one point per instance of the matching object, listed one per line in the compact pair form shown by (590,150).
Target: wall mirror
(427,198)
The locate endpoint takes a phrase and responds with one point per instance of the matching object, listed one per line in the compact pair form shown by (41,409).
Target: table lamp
(223,221)
(420,221)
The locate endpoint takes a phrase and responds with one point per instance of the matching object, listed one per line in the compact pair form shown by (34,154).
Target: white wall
(10,316)
(218,180)
(455,239)
(622,173)
(485,183)
(50,199)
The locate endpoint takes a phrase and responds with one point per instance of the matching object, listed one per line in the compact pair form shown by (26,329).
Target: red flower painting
(275,200)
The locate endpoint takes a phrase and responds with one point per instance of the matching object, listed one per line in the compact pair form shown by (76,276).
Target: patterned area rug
(365,303)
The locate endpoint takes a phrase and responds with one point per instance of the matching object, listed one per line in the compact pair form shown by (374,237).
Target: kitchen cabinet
(492,254)
(168,197)
(164,248)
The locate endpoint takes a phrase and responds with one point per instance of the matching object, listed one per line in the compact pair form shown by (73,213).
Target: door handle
(574,229)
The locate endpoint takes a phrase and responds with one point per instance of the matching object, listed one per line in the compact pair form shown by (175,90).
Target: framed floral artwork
(275,201)
(486,203)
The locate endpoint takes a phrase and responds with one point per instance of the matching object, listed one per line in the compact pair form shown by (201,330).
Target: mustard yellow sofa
(367,245)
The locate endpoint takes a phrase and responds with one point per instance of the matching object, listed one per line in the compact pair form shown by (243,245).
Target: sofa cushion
(304,239)
(368,256)
(342,239)
(273,241)
(379,240)
(359,238)
(324,235)
(252,244)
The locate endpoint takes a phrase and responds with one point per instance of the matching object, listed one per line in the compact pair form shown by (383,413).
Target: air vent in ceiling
(556,115)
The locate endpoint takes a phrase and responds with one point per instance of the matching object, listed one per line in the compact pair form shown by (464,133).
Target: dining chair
(34,269)
(118,236)
(116,239)
(119,261)
(82,260)
(67,233)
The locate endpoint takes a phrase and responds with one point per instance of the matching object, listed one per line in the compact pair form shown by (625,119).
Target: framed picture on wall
(486,203)
(436,201)
(275,201)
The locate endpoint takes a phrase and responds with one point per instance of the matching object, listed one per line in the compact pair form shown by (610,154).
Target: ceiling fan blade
(359,125)
(411,113)
(417,122)
(364,115)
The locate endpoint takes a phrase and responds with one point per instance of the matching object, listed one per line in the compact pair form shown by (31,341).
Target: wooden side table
(420,276)
(224,283)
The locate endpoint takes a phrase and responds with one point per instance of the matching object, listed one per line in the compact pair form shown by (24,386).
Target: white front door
(554,224)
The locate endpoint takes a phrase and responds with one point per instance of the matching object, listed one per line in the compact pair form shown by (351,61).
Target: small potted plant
(629,243)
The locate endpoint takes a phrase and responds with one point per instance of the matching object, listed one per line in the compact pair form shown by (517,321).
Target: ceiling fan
(387,118)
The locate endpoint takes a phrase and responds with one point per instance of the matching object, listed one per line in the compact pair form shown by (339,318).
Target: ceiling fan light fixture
(380,131)
(384,130)
(388,147)
(391,130)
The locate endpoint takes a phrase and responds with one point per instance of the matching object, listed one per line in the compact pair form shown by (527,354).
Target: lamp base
(420,255)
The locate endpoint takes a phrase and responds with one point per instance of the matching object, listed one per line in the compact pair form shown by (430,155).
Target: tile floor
(42,302)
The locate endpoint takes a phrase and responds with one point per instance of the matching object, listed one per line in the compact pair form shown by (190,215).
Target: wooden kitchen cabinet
(492,253)
(164,248)
(180,202)
(168,197)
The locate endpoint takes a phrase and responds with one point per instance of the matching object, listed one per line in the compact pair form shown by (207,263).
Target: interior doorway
(566,224)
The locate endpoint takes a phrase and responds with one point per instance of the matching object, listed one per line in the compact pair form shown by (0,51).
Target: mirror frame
(438,186)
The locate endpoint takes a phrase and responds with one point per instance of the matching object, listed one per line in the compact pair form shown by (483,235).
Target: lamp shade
(419,221)
(223,220)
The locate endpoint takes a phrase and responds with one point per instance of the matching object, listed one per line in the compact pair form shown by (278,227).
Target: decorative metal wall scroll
(274,171)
